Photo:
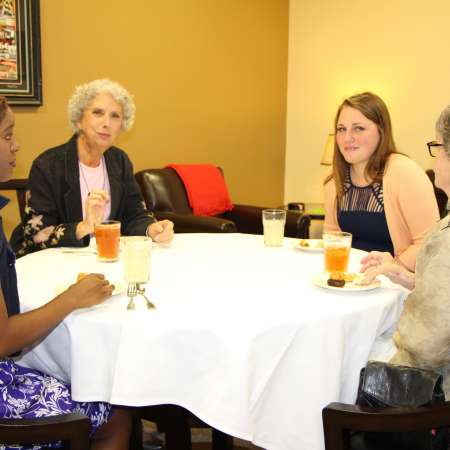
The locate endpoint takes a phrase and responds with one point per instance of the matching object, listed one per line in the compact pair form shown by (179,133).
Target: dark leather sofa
(164,193)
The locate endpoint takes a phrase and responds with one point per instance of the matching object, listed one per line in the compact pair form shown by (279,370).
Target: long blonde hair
(374,109)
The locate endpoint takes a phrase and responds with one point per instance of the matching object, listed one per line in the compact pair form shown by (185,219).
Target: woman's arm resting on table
(382,263)
(18,331)
(43,226)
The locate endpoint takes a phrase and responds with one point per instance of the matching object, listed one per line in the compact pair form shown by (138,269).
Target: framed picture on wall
(20,52)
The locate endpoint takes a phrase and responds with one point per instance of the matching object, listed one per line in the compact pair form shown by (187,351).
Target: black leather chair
(72,429)
(441,196)
(339,420)
(164,193)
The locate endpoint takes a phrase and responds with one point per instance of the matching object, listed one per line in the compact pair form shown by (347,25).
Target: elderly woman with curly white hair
(87,180)
(422,336)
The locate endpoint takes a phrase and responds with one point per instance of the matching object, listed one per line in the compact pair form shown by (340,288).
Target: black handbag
(383,385)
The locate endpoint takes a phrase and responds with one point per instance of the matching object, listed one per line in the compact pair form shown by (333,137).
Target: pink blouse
(94,178)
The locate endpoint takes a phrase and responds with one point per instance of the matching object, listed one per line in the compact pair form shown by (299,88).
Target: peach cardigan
(409,203)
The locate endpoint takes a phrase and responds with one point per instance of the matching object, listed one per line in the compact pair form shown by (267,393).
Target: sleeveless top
(8,278)
(361,212)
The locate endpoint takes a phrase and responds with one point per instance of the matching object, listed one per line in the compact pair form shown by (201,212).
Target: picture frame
(20,52)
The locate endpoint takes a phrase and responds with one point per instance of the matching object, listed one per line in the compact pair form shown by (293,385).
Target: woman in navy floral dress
(26,393)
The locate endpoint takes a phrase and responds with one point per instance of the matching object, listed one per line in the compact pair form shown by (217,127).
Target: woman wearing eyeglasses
(374,192)
(422,336)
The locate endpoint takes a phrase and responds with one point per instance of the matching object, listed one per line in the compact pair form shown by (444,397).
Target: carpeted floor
(201,438)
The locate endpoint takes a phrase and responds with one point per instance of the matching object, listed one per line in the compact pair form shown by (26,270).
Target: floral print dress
(29,394)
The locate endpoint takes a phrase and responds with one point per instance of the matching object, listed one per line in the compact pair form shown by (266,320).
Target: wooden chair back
(73,429)
(339,420)
(20,186)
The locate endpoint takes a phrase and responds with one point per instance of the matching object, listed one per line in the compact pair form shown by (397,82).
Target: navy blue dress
(361,212)
(27,393)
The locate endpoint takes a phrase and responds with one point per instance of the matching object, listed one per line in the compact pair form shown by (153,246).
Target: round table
(241,336)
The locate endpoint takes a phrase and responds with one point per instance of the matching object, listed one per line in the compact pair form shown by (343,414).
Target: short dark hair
(3,108)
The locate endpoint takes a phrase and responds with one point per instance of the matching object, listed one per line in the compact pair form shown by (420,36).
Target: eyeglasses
(433,148)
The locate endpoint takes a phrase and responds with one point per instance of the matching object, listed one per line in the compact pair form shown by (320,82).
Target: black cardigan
(54,193)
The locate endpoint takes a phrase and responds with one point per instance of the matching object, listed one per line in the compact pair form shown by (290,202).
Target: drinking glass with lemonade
(136,259)
(273,224)
(136,264)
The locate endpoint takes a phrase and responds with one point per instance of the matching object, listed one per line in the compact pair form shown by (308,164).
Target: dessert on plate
(339,279)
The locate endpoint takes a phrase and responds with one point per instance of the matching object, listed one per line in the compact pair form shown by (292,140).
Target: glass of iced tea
(107,237)
(336,248)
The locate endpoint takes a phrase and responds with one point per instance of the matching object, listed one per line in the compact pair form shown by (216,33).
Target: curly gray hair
(443,128)
(85,93)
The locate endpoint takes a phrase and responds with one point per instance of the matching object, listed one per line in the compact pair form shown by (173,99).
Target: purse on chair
(384,385)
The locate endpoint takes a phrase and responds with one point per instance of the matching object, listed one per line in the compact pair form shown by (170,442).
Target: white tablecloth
(240,337)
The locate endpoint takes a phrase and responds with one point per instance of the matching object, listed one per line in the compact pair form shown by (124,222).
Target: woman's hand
(382,263)
(95,212)
(161,231)
(375,259)
(22,330)
(89,291)
(95,207)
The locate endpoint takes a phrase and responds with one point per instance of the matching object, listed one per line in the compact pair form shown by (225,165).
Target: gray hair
(443,128)
(85,93)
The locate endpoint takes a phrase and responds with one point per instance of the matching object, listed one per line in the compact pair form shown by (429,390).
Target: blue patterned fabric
(361,212)
(27,393)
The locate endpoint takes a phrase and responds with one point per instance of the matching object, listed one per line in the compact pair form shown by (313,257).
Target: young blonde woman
(374,192)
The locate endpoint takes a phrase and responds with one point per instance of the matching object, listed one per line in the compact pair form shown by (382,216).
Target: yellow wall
(396,48)
(209,79)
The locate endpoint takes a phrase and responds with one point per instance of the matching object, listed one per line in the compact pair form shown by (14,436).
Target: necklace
(103,176)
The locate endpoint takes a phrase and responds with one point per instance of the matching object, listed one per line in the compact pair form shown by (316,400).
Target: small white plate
(120,287)
(321,281)
(314,245)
